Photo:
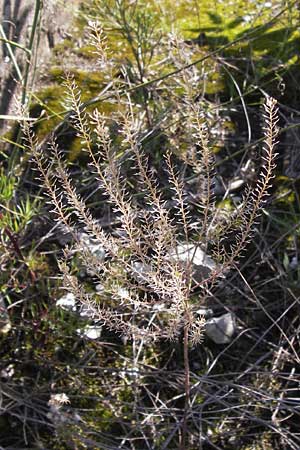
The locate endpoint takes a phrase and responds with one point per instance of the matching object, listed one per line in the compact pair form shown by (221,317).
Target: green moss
(214,84)
(214,19)
(56,74)
(64,47)
(75,150)
(90,83)
(48,107)
(87,52)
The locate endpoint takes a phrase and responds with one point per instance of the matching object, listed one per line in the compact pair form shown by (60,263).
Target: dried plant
(154,252)
(159,263)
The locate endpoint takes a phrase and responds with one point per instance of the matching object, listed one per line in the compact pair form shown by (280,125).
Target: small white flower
(57,400)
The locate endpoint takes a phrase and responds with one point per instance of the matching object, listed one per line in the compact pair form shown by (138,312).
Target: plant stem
(15,154)
(36,18)
(186,380)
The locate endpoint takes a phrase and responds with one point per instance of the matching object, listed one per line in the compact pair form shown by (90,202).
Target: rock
(86,312)
(140,271)
(95,248)
(91,332)
(64,236)
(221,329)
(202,264)
(67,302)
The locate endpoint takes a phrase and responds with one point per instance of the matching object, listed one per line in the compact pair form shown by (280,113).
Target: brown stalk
(186,381)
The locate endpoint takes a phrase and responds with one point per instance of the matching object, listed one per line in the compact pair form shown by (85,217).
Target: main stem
(186,381)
